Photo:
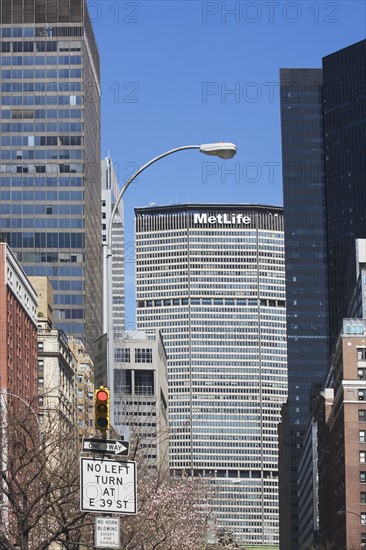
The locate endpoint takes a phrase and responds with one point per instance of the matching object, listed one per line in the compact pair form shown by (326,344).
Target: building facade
(212,278)
(57,366)
(18,343)
(323,148)
(50,154)
(140,393)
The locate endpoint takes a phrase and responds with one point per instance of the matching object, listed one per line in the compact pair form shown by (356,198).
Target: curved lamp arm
(222,150)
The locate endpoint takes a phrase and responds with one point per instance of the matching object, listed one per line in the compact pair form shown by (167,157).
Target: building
(50,154)
(57,367)
(85,388)
(212,278)
(18,343)
(110,192)
(140,392)
(323,149)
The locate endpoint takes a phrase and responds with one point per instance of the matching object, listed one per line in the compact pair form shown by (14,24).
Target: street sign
(107,446)
(107,533)
(108,486)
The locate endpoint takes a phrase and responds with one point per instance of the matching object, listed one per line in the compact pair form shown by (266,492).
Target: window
(362,395)
(363,457)
(143,355)
(144,382)
(362,415)
(361,354)
(361,374)
(363,538)
(362,436)
(362,477)
(363,518)
(122,355)
(122,381)
(363,497)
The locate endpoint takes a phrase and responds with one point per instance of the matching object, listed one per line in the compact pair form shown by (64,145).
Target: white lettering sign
(221,219)
(107,533)
(107,486)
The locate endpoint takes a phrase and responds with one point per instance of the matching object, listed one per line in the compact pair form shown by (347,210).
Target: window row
(50,223)
(41,168)
(41,154)
(41,209)
(40,113)
(24,74)
(28,60)
(41,100)
(41,196)
(28,46)
(48,87)
(41,181)
(31,127)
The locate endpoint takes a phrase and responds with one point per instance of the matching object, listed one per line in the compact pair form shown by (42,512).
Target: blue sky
(189,72)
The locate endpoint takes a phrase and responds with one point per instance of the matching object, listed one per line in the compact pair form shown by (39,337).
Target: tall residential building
(18,343)
(212,278)
(50,153)
(110,192)
(323,119)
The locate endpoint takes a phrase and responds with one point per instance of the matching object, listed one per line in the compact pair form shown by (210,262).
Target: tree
(39,492)
(172,515)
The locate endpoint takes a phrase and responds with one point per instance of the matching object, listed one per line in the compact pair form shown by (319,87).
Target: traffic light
(102,408)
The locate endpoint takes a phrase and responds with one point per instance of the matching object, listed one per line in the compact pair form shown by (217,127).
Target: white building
(140,389)
(110,192)
(212,278)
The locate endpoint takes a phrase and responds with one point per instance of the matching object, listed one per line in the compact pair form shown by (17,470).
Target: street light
(222,150)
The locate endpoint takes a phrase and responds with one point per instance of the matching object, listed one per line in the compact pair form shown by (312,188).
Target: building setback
(50,154)
(211,278)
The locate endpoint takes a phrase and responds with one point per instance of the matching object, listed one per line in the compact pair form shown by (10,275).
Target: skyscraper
(50,153)
(323,119)
(211,277)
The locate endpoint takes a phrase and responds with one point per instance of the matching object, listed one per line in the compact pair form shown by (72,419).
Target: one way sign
(107,446)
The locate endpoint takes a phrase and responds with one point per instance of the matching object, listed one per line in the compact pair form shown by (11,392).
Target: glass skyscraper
(50,201)
(323,120)
(212,279)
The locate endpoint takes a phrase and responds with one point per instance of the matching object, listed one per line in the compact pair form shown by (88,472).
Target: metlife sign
(108,486)
(221,219)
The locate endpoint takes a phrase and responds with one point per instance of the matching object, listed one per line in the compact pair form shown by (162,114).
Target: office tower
(50,154)
(212,278)
(306,270)
(110,192)
(18,344)
(140,392)
(323,149)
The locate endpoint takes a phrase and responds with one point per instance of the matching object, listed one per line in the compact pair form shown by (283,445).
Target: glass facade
(344,92)
(50,154)
(212,279)
(306,261)
(323,120)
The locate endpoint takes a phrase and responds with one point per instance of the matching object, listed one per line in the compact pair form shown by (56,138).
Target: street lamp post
(220,149)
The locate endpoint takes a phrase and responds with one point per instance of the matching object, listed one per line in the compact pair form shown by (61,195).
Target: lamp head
(221,149)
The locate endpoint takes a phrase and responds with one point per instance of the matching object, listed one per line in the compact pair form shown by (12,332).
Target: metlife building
(212,278)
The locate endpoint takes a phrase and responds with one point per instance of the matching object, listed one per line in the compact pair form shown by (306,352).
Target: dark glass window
(143,355)
(144,382)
